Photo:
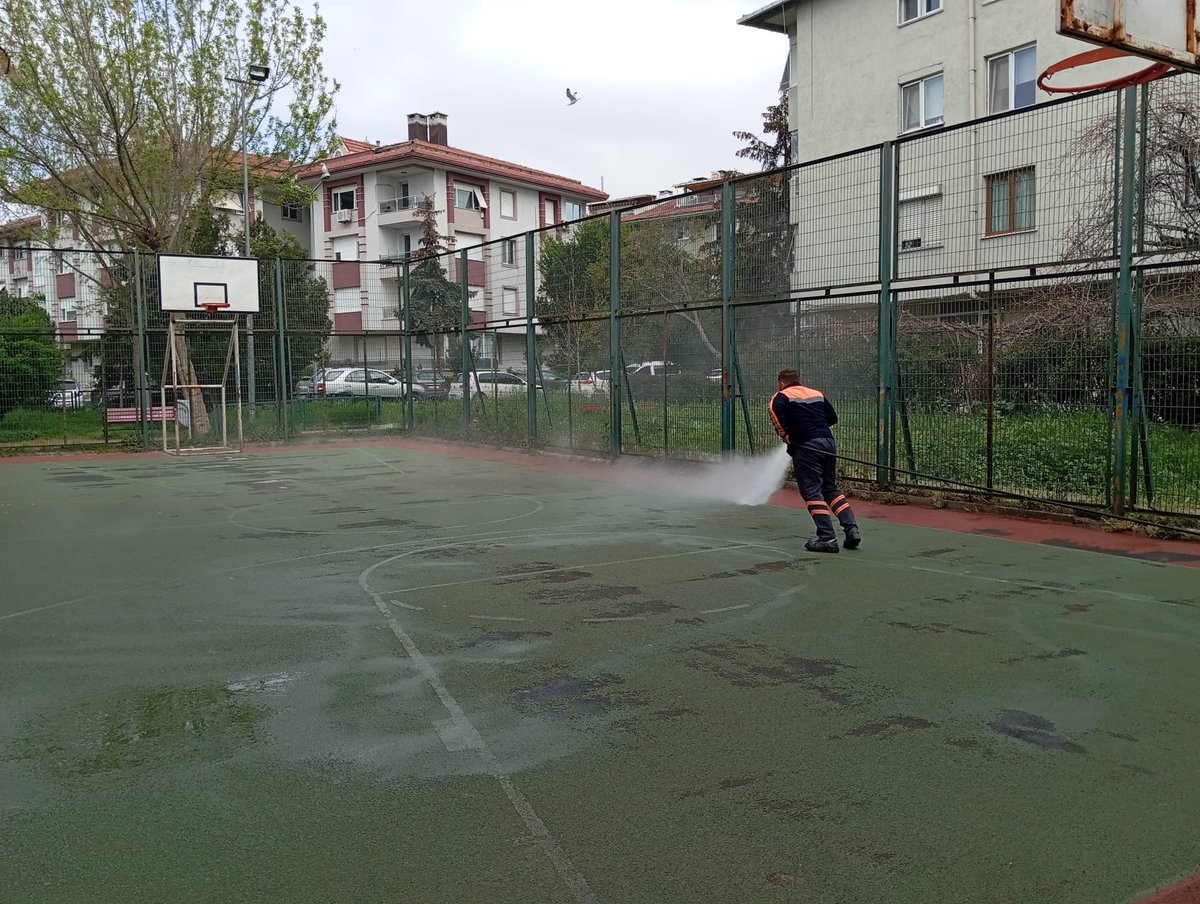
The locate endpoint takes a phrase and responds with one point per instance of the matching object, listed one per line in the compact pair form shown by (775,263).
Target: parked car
(491,382)
(305,388)
(430,379)
(434,384)
(551,379)
(591,382)
(347,382)
(653,369)
(68,395)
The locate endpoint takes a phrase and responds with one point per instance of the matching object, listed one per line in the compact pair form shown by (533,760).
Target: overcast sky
(661,83)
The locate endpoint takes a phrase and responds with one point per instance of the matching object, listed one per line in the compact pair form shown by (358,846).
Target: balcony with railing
(398,210)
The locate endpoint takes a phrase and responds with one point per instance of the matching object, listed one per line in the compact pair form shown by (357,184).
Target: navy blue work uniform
(802,418)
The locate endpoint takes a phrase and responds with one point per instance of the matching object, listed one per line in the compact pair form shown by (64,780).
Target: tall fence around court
(1011,305)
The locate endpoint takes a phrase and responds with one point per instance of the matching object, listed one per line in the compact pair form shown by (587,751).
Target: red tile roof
(453,158)
(354,146)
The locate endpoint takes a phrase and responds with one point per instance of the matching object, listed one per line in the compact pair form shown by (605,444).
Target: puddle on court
(755,665)
(1033,729)
(152,729)
(564,695)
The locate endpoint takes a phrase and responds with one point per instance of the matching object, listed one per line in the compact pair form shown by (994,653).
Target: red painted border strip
(1186,891)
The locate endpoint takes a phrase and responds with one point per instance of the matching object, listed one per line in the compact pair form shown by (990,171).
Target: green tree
(573,266)
(29,356)
(766,236)
(434,301)
(118,119)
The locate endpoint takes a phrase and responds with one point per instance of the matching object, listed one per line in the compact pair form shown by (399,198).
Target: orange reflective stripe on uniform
(799,393)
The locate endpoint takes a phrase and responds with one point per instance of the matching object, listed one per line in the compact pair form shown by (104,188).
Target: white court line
(615,618)
(487,617)
(1032,585)
(724,609)
(78,599)
(463,731)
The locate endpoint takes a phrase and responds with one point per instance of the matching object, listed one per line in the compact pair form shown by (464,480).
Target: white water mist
(742,480)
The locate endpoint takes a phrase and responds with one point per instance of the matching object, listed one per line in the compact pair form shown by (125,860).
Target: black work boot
(853,538)
(818,545)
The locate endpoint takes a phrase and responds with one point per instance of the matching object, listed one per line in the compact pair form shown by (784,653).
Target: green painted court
(394,672)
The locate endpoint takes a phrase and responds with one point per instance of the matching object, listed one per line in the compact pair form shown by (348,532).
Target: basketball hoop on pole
(189,285)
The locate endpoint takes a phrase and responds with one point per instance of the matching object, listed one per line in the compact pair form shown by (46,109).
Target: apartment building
(366,219)
(1000,193)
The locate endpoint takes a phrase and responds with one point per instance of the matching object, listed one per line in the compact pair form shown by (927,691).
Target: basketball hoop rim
(1099,55)
(213,308)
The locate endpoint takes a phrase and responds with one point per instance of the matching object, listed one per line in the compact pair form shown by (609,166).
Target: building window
(1012,79)
(921,104)
(510,301)
(344,199)
(572,210)
(469,198)
(508,252)
(1011,198)
(508,204)
(1191,176)
(551,212)
(915,9)
(68,309)
(919,218)
(62,262)
(290,212)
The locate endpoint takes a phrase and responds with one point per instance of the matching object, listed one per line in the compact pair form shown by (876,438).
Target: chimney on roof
(437,128)
(418,126)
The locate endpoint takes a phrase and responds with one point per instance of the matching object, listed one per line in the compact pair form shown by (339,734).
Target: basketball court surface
(396,671)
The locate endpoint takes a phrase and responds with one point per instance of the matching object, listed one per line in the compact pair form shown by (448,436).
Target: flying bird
(572,97)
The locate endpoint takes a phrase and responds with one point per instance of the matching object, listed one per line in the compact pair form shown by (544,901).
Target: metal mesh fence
(1034,340)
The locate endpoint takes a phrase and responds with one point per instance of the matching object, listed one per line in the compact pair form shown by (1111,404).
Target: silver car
(343,382)
(491,382)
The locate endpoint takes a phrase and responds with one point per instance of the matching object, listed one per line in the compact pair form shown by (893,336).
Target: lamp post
(254,75)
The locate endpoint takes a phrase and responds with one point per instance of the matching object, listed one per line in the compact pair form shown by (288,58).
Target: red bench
(130,415)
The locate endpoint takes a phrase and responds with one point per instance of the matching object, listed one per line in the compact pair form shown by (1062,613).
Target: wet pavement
(395,672)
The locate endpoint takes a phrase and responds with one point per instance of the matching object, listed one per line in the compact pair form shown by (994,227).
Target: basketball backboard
(194,283)
(1163,30)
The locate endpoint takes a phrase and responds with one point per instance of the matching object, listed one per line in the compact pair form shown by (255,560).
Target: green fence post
(1122,383)
(283,381)
(530,339)
(467,370)
(143,371)
(409,414)
(886,327)
(728,249)
(615,374)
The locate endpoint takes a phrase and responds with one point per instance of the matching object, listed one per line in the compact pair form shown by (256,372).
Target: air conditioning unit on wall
(344,215)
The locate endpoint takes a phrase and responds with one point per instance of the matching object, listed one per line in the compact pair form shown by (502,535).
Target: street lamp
(254,75)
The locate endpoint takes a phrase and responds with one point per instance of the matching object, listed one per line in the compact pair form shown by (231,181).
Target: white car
(653,369)
(591,382)
(491,382)
(345,382)
(68,395)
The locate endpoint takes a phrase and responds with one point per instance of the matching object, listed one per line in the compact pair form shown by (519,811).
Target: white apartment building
(1000,193)
(366,212)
